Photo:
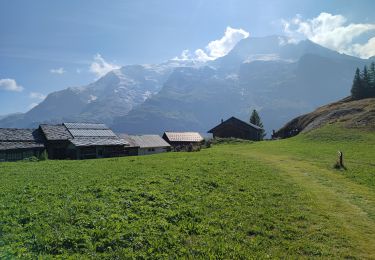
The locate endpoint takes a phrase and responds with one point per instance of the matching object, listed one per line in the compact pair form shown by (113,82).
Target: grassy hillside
(267,199)
(355,114)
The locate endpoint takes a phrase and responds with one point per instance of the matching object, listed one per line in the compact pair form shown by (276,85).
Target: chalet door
(100,152)
(59,153)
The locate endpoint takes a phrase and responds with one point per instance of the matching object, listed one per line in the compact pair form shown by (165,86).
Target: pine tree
(255,120)
(357,87)
(372,74)
(372,80)
(366,82)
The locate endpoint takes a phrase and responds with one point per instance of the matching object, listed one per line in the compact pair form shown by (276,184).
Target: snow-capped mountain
(278,78)
(115,94)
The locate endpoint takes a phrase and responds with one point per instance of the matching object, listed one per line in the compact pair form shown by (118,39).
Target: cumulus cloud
(365,50)
(100,67)
(332,31)
(10,85)
(217,48)
(221,47)
(57,71)
(37,95)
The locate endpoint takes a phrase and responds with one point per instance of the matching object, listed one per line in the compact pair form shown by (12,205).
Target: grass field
(268,199)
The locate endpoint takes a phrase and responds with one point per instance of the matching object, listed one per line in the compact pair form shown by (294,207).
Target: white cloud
(331,31)
(201,55)
(36,95)
(32,105)
(365,50)
(100,67)
(217,48)
(221,47)
(10,85)
(185,55)
(57,71)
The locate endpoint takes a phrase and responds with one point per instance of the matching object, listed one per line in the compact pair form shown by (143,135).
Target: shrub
(43,156)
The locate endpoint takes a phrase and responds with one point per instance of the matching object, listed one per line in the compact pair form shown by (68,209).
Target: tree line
(364,83)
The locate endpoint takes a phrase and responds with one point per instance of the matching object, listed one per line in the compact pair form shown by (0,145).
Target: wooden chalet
(180,139)
(82,141)
(146,144)
(18,144)
(236,128)
(57,141)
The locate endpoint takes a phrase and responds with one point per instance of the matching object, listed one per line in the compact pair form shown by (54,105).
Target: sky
(47,46)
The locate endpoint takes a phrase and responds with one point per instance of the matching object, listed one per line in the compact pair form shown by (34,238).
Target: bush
(43,156)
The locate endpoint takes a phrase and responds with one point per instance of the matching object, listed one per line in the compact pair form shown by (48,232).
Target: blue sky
(50,45)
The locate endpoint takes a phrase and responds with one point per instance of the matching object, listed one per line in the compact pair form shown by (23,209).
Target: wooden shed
(236,128)
(18,144)
(147,144)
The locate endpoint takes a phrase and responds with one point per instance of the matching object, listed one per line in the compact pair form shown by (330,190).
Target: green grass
(238,200)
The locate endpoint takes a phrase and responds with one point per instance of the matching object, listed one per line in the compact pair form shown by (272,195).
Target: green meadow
(235,200)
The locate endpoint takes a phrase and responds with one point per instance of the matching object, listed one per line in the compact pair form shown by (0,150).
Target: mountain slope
(114,94)
(280,88)
(278,79)
(351,113)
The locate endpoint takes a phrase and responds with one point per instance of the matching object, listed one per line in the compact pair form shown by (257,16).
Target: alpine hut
(183,139)
(147,144)
(18,144)
(236,128)
(82,141)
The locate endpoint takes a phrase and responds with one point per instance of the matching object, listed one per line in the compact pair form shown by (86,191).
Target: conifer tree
(255,120)
(372,74)
(364,83)
(357,87)
(372,80)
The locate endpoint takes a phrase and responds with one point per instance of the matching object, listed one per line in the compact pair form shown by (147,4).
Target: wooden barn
(57,141)
(147,144)
(18,144)
(236,128)
(181,139)
(82,141)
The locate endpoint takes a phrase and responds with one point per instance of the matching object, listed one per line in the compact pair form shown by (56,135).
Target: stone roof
(79,141)
(56,132)
(90,134)
(13,138)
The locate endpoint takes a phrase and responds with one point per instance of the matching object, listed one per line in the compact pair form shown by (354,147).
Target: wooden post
(341,159)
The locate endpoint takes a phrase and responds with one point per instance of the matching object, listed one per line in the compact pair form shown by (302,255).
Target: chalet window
(151,149)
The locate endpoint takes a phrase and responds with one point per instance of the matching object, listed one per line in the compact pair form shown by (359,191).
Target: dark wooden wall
(237,131)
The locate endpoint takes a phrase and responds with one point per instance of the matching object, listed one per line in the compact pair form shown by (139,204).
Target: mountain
(114,94)
(279,79)
(9,115)
(350,113)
